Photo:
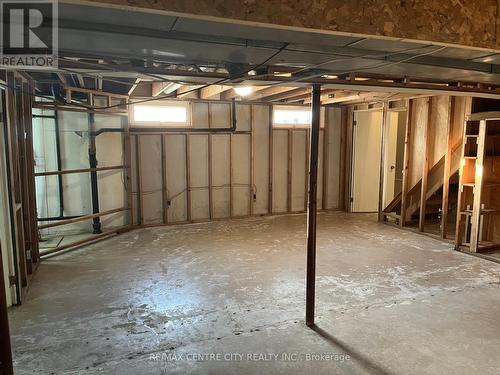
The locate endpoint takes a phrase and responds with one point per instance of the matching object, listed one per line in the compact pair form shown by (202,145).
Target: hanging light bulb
(243,90)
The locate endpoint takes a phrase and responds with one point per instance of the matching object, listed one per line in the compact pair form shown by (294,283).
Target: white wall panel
(298,170)
(280,171)
(151,179)
(220,115)
(198,176)
(175,169)
(221,176)
(261,158)
(199,115)
(243,117)
(240,170)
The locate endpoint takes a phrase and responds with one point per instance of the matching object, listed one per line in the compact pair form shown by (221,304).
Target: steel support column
(312,206)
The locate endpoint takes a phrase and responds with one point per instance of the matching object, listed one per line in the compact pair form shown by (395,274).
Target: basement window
(161,114)
(291,117)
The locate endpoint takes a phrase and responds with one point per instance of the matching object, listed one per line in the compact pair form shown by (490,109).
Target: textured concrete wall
(471,23)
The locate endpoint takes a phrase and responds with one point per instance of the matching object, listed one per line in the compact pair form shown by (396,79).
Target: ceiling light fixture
(243,90)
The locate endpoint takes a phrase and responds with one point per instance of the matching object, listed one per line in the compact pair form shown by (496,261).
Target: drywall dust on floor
(218,297)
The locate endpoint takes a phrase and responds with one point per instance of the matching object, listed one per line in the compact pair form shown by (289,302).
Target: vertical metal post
(312,206)
(93,175)
(5,349)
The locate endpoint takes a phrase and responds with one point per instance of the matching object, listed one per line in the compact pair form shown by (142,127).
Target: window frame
(280,107)
(161,124)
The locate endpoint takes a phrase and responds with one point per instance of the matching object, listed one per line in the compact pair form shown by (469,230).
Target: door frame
(353,150)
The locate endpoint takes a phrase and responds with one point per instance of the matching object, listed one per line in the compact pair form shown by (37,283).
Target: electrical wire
(384,65)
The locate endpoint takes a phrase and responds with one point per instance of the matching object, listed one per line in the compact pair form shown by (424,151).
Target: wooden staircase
(434,190)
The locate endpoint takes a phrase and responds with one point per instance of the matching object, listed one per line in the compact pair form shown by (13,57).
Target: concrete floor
(155,301)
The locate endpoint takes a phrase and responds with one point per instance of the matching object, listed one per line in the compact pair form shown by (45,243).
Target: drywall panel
(417,147)
(240,174)
(243,117)
(280,171)
(261,124)
(438,129)
(111,184)
(150,151)
(199,115)
(221,204)
(198,177)
(175,169)
(298,170)
(332,137)
(220,115)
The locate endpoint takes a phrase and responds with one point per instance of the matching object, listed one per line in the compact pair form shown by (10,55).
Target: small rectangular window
(291,117)
(161,113)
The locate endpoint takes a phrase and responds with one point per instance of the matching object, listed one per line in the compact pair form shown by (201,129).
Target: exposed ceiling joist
(268,92)
(134,86)
(188,92)
(290,93)
(230,94)
(159,88)
(213,92)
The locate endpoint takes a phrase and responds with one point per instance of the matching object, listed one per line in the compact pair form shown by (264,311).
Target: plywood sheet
(299,149)
(221,205)
(240,171)
(438,129)
(261,126)
(175,169)
(280,171)
(417,147)
(198,176)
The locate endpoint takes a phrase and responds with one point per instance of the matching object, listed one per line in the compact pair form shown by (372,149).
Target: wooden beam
(231,93)
(475,236)
(425,167)
(213,92)
(447,166)
(159,88)
(268,92)
(134,86)
(188,91)
(343,97)
(385,130)
(406,164)
(286,94)
(83,218)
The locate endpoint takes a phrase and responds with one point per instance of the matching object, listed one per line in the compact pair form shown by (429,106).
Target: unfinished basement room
(250,187)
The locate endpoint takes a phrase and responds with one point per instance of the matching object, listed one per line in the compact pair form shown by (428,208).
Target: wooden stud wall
(256,170)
